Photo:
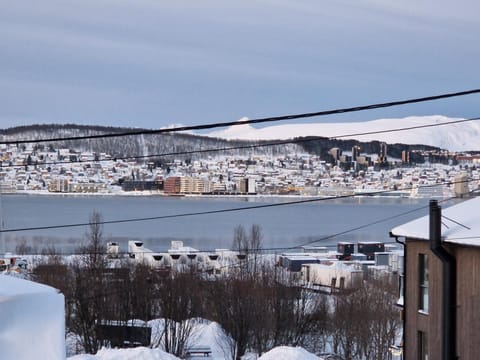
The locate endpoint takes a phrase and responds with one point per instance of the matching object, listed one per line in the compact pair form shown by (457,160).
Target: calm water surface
(282,226)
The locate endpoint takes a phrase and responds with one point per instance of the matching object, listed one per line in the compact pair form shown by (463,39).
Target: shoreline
(127,194)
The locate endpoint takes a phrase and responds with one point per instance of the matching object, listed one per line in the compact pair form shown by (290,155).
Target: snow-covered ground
(461,136)
(278,353)
(288,353)
(140,353)
(206,334)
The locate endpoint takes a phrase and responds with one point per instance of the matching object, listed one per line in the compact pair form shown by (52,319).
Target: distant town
(27,168)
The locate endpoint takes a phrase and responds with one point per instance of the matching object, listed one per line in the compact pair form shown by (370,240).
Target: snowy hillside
(463,136)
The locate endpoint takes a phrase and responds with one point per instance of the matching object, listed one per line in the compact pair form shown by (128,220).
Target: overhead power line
(292,247)
(406,128)
(227,210)
(253,121)
(375,222)
(253,146)
(456,222)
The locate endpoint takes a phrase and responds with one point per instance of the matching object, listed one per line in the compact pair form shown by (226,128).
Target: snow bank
(205,333)
(288,353)
(140,353)
(212,334)
(33,320)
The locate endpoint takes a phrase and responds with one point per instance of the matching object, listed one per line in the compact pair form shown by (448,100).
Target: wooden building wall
(414,319)
(468,301)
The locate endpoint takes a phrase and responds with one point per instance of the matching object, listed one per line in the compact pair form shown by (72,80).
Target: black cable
(328,237)
(360,227)
(252,146)
(253,121)
(187,152)
(210,212)
(461,238)
(405,128)
(456,222)
(242,262)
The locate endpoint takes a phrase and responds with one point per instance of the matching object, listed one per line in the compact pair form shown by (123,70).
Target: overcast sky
(153,63)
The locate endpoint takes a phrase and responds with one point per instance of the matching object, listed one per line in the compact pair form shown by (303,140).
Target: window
(423,283)
(422,346)
(401,290)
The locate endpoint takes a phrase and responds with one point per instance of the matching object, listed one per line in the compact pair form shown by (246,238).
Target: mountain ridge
(169,146)
(463,136)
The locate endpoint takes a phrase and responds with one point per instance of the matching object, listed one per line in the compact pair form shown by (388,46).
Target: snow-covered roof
(460,224)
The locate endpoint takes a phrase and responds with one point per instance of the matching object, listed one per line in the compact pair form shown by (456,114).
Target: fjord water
(282,226)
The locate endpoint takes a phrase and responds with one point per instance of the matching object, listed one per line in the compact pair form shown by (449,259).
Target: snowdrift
(288,353)
(33,320)
(140,353)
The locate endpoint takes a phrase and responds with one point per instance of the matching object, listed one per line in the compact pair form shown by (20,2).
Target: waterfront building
(172,185)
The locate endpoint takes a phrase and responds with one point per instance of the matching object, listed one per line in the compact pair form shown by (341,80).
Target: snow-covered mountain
(460,136)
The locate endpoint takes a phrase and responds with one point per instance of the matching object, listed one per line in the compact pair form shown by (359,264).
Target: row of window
(423,284)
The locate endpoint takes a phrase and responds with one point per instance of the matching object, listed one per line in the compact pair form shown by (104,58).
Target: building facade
(441,296)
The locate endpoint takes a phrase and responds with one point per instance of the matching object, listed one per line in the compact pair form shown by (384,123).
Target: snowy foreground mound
(278,353)
(140,353)
(207,334)
(33,320)
(288,353)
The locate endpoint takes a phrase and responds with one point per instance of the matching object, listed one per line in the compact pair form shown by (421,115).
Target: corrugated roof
(460,224)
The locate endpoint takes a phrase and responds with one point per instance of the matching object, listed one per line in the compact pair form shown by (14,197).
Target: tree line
(141,145)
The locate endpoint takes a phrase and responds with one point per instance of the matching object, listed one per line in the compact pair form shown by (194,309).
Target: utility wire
(286,248)
(405,128)
(253,121)
(358,227)
(364,226)
(328,237)
(462,238)
(252,146)
(227,210)
(456,222)
(244,261)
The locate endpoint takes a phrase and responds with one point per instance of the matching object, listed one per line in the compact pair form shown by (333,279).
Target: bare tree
(264,310)
(384,320)
(230,303)
(89,302)
(365,321)
(240,240)
(95,248)
(248,245)
(178,303)
(256,238)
